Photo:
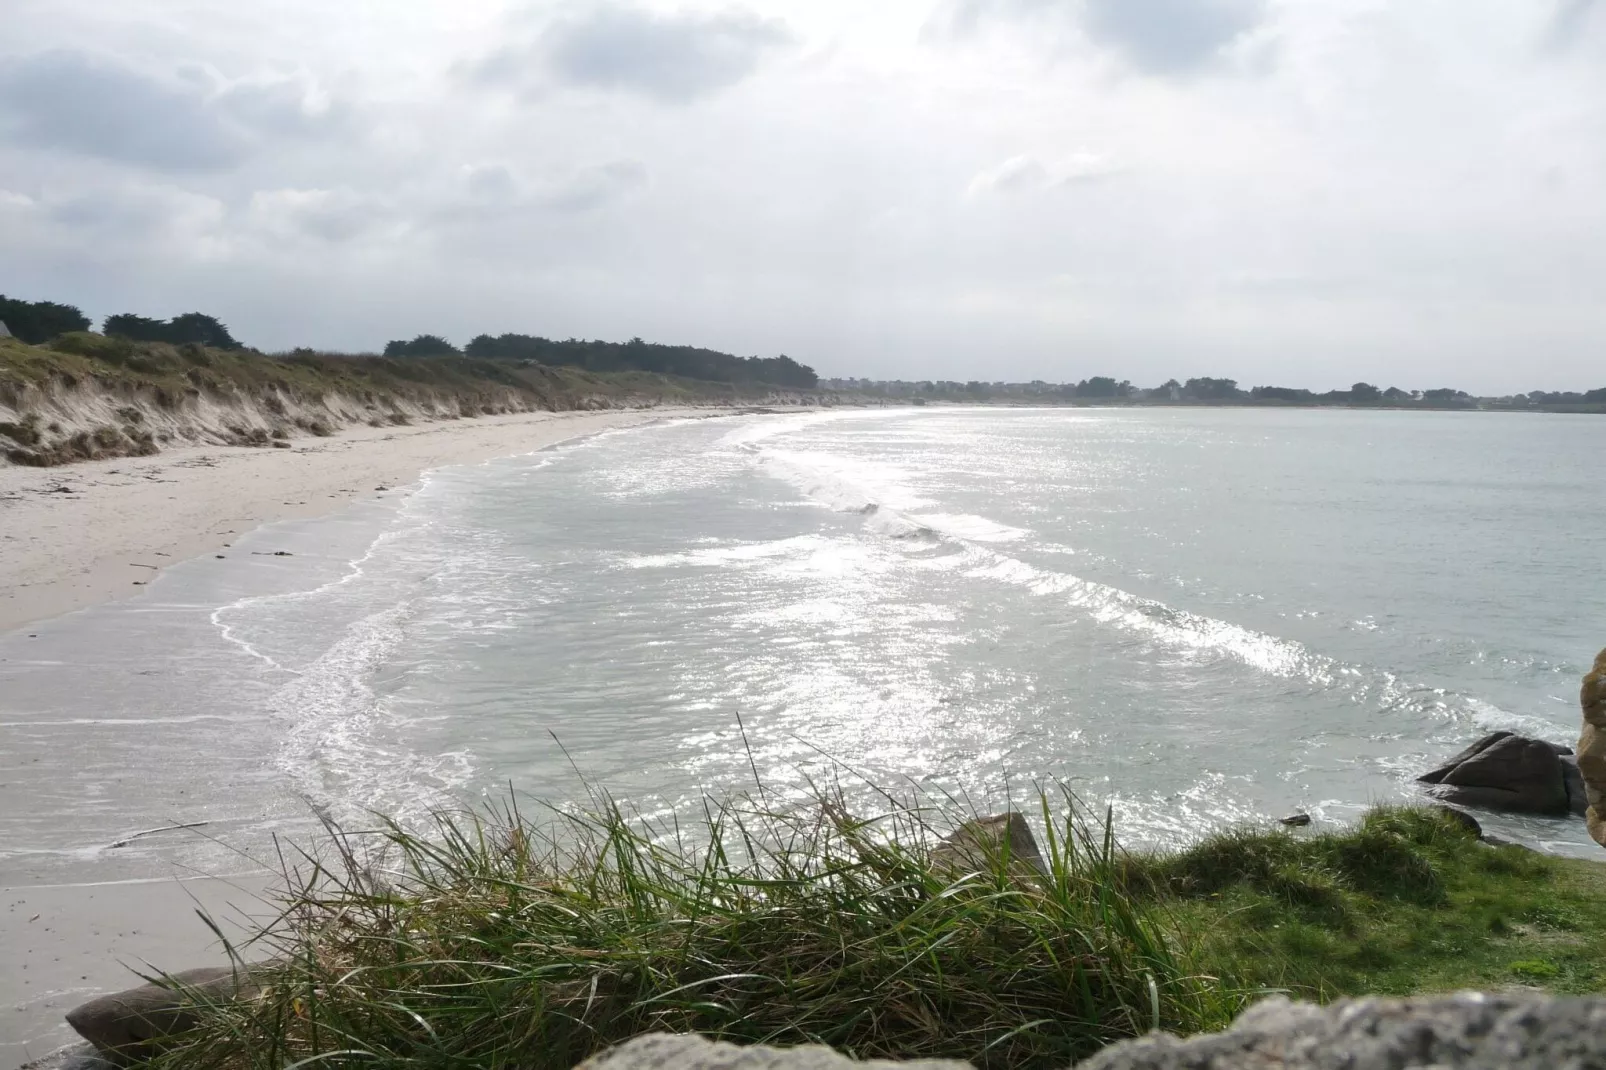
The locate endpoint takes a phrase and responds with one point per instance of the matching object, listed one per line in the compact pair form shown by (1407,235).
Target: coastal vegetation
(689,362)
(1105,390)
(84,396)
(491,939)
(40,322)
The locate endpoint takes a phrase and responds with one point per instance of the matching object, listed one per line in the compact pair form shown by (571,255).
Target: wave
(830,481)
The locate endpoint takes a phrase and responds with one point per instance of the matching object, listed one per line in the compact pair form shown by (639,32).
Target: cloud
(496,193)
(1027,174)
(676,58)
(76,102)
(73,101)
(597,187)
(335,216)
(1170,36)
(1167,37)
(1570,22)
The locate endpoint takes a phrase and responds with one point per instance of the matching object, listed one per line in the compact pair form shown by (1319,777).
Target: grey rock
(668,1051)
(1465,1032)
(1462,818)
(134,1024)
(977,843)
(1297,821)
(1504,771)
(1577,794)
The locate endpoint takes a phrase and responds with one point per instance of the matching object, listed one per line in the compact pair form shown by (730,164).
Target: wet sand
(89,920)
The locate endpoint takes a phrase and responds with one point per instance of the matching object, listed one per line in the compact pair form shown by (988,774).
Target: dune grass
(490,940)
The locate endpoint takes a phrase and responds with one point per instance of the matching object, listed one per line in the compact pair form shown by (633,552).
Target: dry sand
(80,535)
(88,533)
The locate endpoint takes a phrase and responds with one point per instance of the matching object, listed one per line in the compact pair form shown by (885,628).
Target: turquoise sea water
(1196,616)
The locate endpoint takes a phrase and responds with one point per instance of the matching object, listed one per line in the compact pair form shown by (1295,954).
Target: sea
(1188,618)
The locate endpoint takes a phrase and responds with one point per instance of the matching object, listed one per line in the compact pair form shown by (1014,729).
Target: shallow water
(1196,616)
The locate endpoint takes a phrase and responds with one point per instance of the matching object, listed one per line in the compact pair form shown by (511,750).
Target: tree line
(690,362)
(37,322)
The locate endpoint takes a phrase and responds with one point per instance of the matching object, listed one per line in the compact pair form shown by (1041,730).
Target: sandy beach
(89,534)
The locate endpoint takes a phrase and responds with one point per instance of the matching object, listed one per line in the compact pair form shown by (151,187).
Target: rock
(1592,748)
(1462,818)
(1573,780)
(1297,821)
(976,843)
(134,1024)
(668,1051)
(1464,1032)
(1504,771)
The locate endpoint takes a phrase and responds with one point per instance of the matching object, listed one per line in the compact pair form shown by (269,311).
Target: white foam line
(1261,651)
(354,571)
(225,877)
(116,721)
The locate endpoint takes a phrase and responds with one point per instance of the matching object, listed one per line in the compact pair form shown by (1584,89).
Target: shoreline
(122,523)
(98,531)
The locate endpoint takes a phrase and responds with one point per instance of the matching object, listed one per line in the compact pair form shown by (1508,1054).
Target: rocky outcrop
(667,1051)
(978,843)
(1464,1032)
(1592,748)
(1505,771)
(134,1025)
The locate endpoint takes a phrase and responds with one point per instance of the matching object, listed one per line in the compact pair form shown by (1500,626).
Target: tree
(192,328)
(425,345)
(136,328)
(637,355)
(1365,392)
(36,322)
(1102,386)
(1211,389)
(1292,395)
(202,330)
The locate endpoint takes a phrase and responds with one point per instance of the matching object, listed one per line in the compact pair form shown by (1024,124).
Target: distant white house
(4,333)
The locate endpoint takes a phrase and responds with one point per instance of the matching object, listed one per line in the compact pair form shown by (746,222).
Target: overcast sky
(1294,192)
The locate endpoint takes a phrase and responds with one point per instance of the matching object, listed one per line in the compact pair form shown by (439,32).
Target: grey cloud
(1170,36)
(494,193)
(1160,36)
(76,102)
(1571,21)
(596,187)
(676,57)
(72,101)
(334,216)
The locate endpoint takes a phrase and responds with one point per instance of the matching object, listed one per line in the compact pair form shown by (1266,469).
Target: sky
(1286,192)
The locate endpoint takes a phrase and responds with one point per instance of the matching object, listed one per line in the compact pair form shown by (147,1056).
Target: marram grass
(491,941)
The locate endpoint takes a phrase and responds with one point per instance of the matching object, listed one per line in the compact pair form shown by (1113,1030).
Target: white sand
(126,518)
(121,522)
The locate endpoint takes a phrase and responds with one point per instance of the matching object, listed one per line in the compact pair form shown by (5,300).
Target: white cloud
(1052,190)
(1028,174)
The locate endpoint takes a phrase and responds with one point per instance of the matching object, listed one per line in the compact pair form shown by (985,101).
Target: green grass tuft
(493,942)
(488,940)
